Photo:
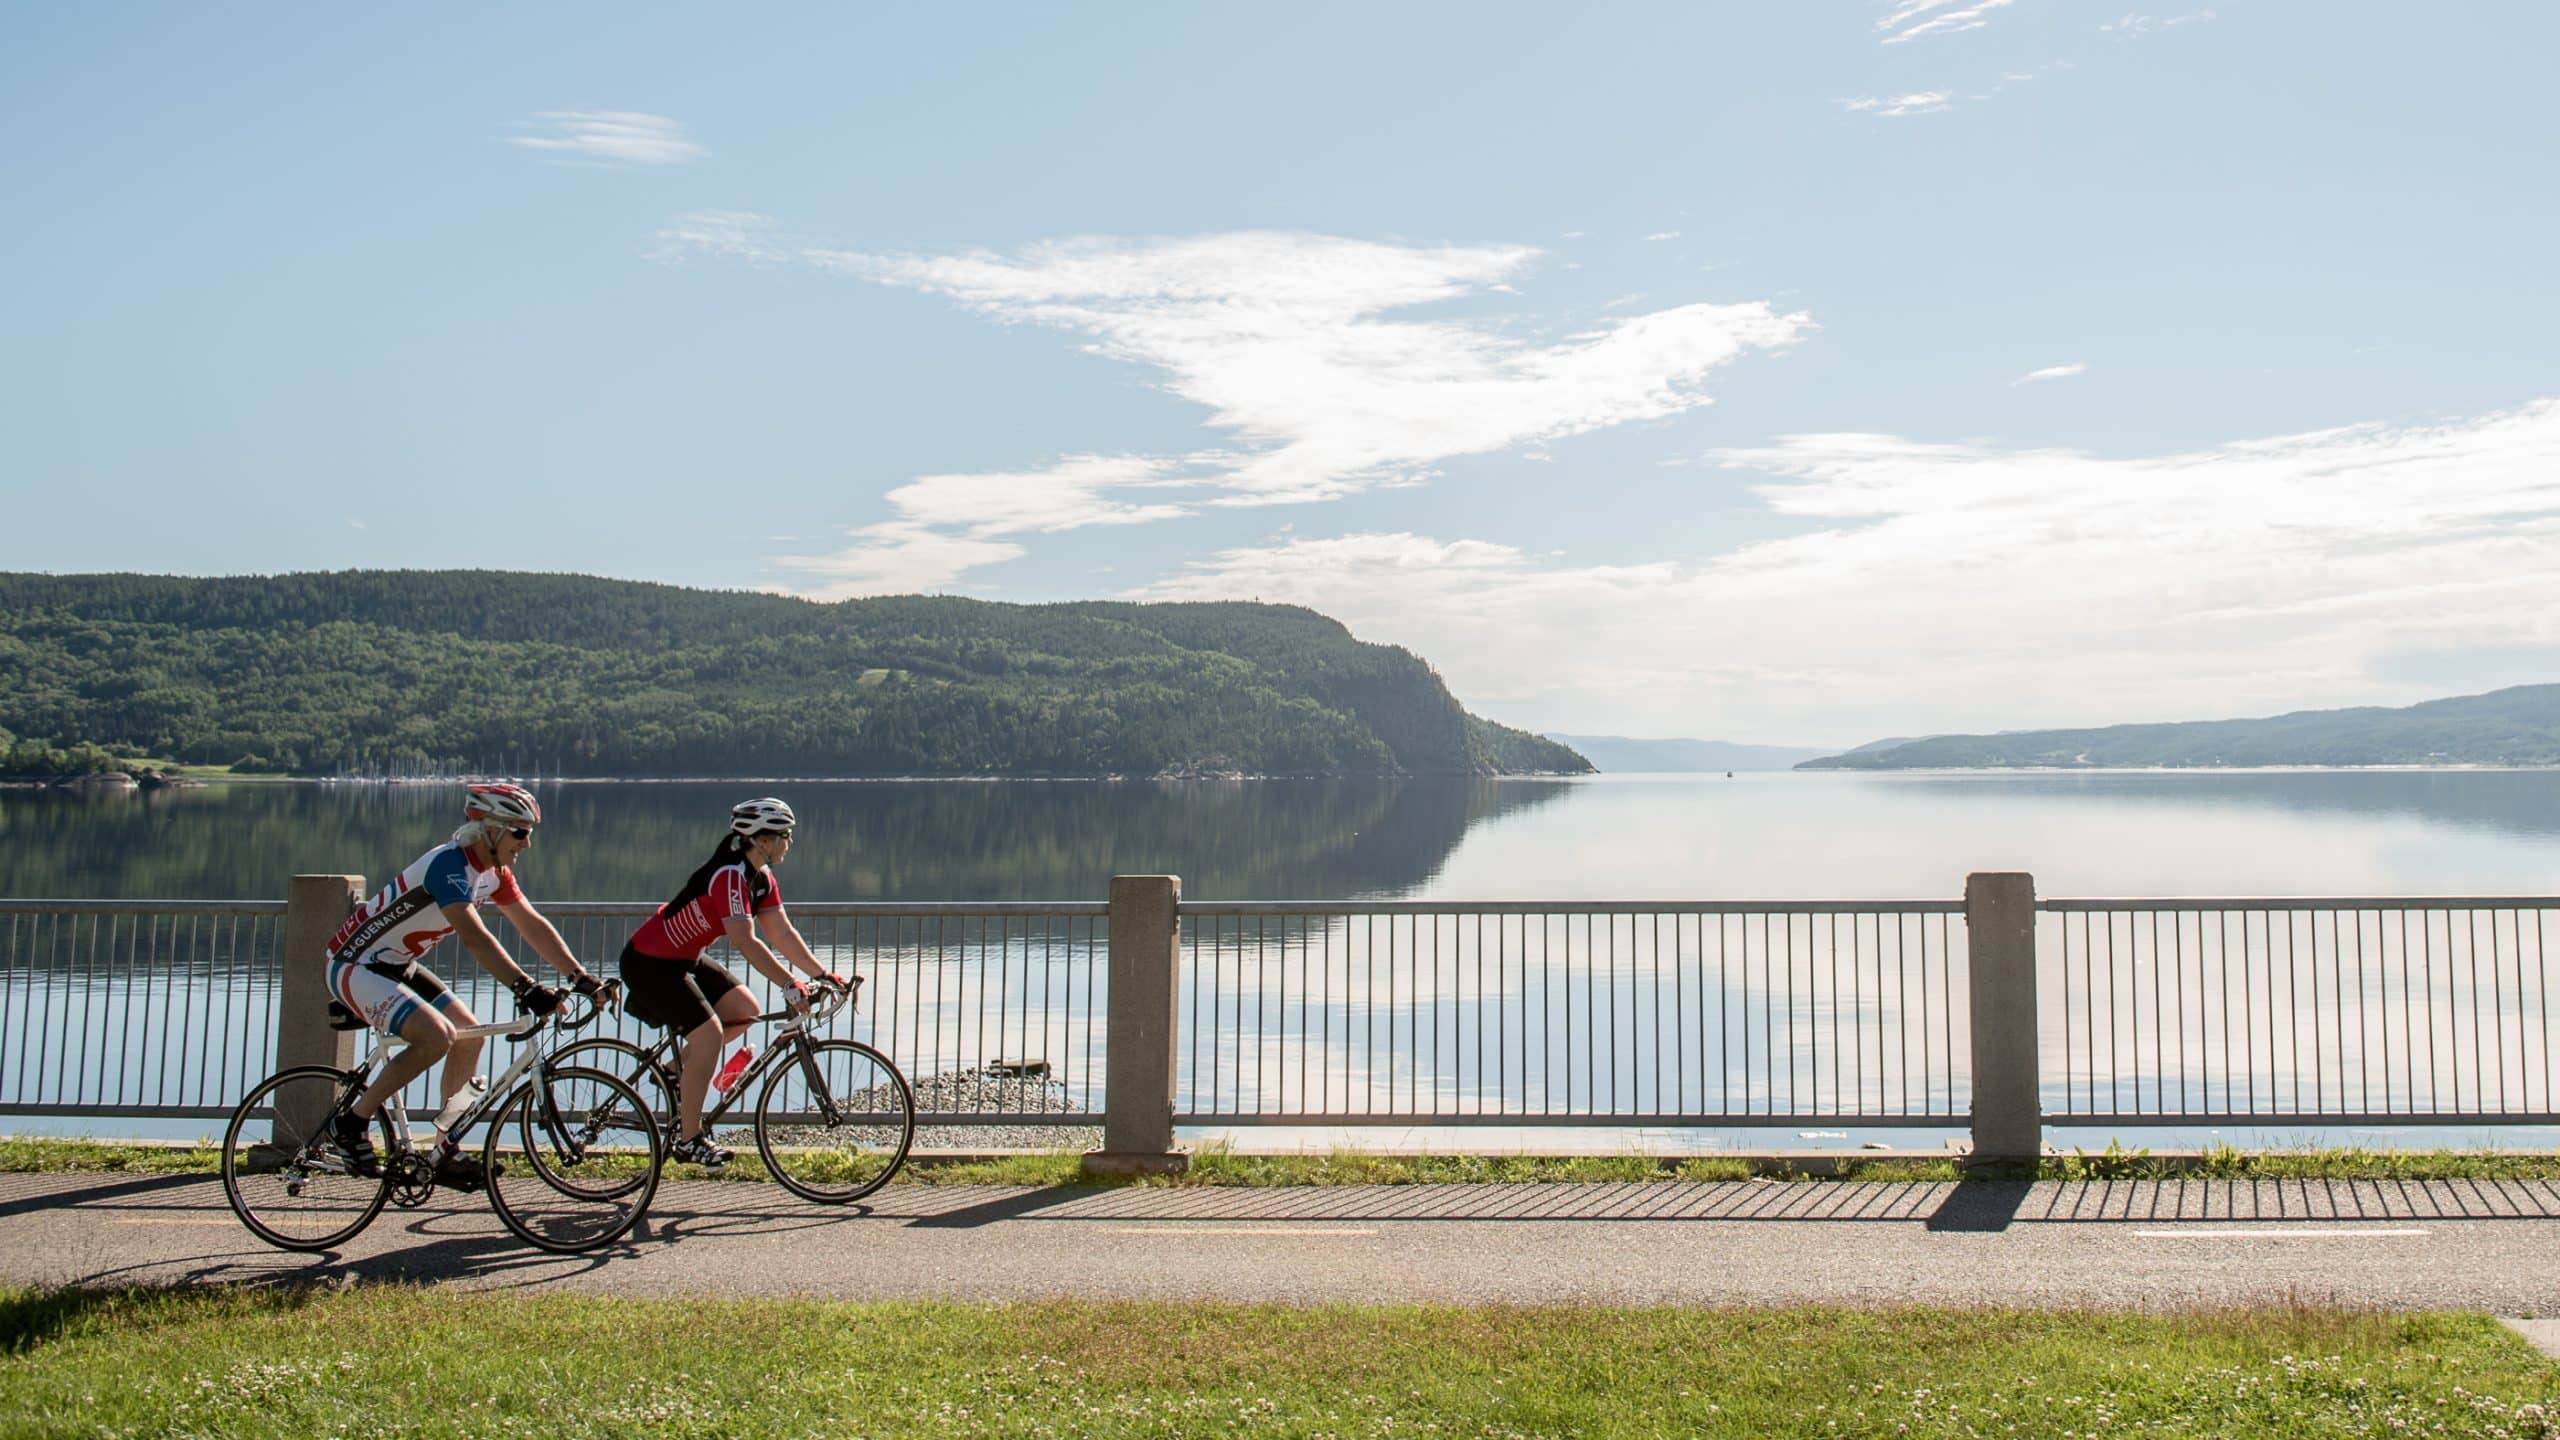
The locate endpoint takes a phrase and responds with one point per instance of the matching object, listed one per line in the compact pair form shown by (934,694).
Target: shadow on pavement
(107,1188)
(1980,1206)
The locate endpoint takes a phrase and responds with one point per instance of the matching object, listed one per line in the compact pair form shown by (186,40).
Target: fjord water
(1640,838)
(1647,837)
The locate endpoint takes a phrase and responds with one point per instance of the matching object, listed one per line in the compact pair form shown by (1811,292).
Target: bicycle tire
(866,1156)
(236,1183)
(626,1203)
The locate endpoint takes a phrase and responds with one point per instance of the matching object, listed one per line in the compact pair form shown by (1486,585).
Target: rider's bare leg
(702,1047)
(429,1037)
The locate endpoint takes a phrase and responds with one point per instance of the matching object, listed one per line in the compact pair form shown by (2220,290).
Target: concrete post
(2008,1108)
(314,907)
(1146,958)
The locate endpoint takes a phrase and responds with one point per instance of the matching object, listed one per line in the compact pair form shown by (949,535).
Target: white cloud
(1925,102)
(1293,346)
(1911,19)
(948,524)
(896,557)
(2053,372)
(2133,26)
(1949,587)
(1664,235)
(724,234)
(613,137)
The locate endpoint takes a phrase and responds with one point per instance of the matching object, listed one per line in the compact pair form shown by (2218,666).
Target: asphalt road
(2151,1245)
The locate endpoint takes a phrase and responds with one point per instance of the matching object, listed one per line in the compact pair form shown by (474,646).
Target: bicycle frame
(794,1037)
(533,1059)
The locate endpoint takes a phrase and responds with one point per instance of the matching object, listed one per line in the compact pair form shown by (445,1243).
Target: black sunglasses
(522,832)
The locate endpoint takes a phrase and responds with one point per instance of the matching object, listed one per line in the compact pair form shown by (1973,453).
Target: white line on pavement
(2198,1232)
(1229,1230)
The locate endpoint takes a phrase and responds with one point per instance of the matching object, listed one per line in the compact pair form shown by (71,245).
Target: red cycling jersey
(724,889)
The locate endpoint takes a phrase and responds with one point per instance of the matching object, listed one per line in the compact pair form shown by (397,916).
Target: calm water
(1783,836)
(1613,837)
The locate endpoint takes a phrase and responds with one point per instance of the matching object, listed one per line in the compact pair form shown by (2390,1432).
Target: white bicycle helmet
(508,805)
(767,816)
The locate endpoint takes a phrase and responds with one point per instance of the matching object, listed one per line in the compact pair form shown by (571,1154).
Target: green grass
(393,1361)
(1220,1166)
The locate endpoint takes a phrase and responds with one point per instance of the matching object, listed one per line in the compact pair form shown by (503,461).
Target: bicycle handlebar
(608,996)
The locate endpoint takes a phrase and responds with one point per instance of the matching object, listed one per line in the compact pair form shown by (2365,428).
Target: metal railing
(2341,1011)
(1548,1013)
(1628,1014)
(169,1009)
(130,1007)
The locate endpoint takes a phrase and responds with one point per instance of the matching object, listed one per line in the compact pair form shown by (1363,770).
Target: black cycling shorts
(653,989)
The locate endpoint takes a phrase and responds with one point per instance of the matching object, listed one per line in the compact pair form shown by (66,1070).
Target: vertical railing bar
(1479,1011)
(2088,1001)
(2178,970)
(2319,1062)
(2222,962)
(2542,989)
(2497,1003)
(1765,960)
(2364,1022)
(2479,1051)
(2159,1042)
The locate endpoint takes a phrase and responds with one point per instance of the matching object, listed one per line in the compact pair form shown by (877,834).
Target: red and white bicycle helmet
(508,805)
(767,816)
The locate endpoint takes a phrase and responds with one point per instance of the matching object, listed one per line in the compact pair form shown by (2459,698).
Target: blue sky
(1796,372)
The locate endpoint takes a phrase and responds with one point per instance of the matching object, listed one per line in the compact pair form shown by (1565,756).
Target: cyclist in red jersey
(667,981)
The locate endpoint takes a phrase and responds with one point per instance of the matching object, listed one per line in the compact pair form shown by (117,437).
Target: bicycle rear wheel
(283,1172)
(835,1122)
(572,1160)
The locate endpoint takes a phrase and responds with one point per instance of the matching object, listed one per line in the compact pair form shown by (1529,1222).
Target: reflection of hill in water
(1273,839)
(2512,802)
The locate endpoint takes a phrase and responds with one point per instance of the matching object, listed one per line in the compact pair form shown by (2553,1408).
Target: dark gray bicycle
(834,1119)
(570,1162)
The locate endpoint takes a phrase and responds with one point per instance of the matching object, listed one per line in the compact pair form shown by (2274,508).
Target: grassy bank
(28,1154)
(394,1361)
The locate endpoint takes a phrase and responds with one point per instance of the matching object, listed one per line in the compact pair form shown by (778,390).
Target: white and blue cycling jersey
(373,959)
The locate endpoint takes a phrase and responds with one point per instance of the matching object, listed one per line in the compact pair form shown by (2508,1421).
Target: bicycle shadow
(106,1193)
(484,1261)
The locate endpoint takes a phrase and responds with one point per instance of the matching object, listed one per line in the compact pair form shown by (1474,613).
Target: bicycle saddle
(342,1018)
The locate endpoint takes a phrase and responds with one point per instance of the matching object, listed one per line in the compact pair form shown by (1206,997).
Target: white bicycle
(571,1156)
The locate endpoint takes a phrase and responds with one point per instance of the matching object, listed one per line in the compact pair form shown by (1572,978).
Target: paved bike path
(2482,1245)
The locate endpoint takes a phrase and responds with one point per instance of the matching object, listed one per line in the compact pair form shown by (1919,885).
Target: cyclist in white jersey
(374,969)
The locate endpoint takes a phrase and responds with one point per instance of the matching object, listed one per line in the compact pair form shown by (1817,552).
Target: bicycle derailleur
(413,1179)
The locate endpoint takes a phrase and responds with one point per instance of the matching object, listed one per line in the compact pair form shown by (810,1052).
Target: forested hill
(2518,726)
(404,671)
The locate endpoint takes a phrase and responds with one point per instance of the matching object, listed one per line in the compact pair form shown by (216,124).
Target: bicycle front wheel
(572,1159)
(282,1170)
(621,1057)
(835,1121)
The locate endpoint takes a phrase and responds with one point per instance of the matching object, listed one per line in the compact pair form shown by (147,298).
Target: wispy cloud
(610,137)
(1664,235)
(2132,27)
(1292,345)
(1911,19)
(1952,586)
(1925,102)
(2052,372)
(949,524)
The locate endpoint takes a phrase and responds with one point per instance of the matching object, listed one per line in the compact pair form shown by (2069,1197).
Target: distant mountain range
(2515,726)
(1621,754)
